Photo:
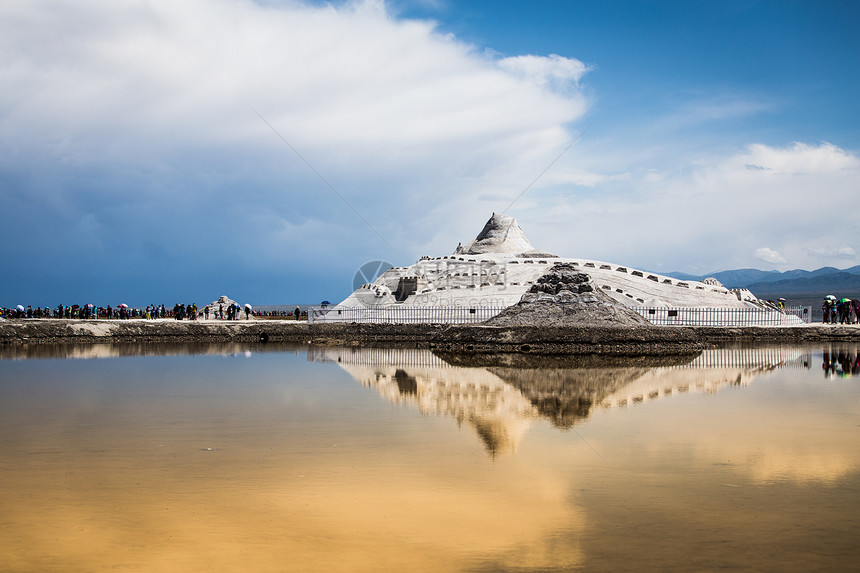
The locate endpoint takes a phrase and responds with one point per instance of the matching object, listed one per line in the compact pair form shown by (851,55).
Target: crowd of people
(841,311)
(151,312)
(90,311)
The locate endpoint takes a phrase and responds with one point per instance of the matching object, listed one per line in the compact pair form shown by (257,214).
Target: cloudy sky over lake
(165,151)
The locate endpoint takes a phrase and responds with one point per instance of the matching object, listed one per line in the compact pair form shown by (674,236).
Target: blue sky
(168,151)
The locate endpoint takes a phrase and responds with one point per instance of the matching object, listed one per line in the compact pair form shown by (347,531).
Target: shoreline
(468,339)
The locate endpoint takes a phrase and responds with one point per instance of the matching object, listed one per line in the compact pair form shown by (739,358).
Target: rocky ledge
(470,339)
(566,297)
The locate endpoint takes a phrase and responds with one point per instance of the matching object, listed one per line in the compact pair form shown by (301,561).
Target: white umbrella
(830,297)
(122,305)
(248,306)
(20,307)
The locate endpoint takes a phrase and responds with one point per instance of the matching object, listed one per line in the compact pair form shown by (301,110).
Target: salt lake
(303,458)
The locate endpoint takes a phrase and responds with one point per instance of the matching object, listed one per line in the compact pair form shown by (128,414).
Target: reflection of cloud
(820,463)
(769,450)
(369,516)
(122,483)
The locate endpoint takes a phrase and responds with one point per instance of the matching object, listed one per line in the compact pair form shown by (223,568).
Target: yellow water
(350,460)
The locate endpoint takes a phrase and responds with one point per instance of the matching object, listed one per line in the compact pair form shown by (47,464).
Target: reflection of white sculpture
(498,412)
(500,403)
(712,371)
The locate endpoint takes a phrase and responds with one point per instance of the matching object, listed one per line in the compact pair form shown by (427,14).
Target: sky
(155,151)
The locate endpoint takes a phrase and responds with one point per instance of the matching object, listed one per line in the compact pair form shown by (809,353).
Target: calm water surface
(242,458)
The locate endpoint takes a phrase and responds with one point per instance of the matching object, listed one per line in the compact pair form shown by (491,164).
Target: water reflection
(498,412)
(731,459)
(842,362)
(500,396)
(267,464)
(117,350)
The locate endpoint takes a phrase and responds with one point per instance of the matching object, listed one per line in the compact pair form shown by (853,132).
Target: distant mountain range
(773,284)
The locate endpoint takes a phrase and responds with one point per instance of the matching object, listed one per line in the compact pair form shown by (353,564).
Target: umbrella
(248,306)
(830,297)
(325,303)
(90,305)
(20,307)
(781,300)
(122,305)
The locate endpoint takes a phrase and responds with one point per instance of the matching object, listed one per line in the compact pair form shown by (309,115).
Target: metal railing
(663,316)
(404,314)
(710,316)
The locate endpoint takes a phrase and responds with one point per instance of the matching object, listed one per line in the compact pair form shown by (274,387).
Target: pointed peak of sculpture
(501,234)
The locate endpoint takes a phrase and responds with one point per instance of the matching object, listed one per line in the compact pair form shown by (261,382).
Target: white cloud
(843,252)
(154,102)
(127,123)
(554,70)
(709,214)
(799,159)
(344,80)
(768,255)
